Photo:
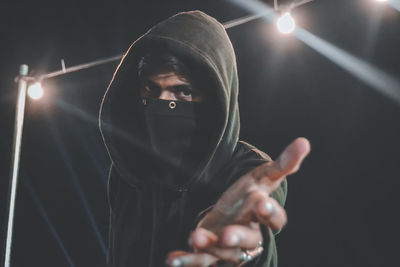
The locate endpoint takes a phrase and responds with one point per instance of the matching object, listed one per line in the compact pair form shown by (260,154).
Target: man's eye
(183,91)
(186,92)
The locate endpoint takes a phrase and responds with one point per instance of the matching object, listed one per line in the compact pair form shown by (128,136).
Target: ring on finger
(244,257)
(248,255)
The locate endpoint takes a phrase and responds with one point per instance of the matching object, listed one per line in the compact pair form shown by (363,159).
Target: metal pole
(80,67)
(18,127)
(240,21)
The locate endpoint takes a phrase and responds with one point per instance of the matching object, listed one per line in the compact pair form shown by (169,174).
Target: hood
(202,39)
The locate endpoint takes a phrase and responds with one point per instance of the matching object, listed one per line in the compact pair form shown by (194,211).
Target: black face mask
(177,131)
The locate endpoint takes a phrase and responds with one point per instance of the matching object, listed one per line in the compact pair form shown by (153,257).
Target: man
(182,187)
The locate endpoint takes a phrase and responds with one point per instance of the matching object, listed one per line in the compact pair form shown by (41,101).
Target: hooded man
(183,190)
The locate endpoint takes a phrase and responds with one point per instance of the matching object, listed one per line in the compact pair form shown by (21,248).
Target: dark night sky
(342,205)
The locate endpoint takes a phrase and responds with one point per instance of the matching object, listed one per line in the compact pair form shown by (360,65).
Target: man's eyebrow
(182,86)
(152,84)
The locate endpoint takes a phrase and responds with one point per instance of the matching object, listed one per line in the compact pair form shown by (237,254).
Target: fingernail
(201,240)
(174,263)
(234,240)
(270,208)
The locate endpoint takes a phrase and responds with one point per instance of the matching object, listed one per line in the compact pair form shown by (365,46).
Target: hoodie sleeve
(245,159)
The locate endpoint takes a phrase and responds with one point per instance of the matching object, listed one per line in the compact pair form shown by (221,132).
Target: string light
(35,90)
(286,23)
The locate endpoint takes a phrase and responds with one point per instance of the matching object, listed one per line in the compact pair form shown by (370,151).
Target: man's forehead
(169,75)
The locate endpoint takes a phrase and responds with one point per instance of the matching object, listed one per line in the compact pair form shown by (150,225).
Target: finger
(177,253)
(225,254)
(202,238)
(186,259)
(291,158)
(287,163)
(212,246)
(260,207)
(244,237)
(270,213)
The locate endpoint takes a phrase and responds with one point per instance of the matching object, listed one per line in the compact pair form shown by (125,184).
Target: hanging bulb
(286,23)
(35,90)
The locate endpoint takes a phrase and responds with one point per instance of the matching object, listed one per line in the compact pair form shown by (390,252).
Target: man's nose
(167,95)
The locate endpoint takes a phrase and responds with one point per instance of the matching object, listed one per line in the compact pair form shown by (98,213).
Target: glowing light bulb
(286,23)
(35,90)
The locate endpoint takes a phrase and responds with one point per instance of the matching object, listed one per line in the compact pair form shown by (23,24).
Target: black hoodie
(149,215)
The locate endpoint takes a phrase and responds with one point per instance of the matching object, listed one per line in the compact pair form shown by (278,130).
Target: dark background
(342,205)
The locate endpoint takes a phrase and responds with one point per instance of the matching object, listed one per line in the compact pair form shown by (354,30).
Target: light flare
(286,23)
(35,91)
(372,76)
(394,4)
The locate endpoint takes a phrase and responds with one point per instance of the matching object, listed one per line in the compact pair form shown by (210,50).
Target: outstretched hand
(233,225)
